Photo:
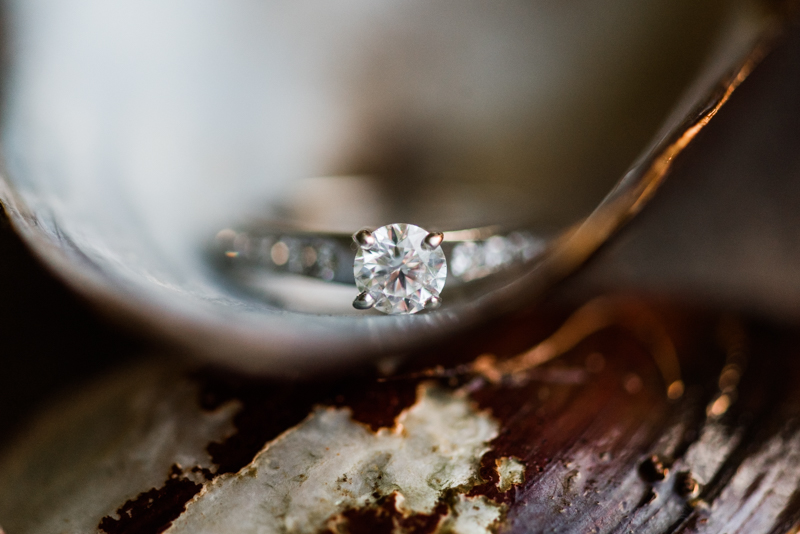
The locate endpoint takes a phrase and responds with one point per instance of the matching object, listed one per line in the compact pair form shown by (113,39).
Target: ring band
(472,255)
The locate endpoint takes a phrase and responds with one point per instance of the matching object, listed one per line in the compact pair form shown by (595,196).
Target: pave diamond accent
(473,260)
(398,272)
(303,254)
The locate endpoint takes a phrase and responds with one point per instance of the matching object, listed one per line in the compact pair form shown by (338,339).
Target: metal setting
(364,301)
(433,303)
(432,240)
(364,238)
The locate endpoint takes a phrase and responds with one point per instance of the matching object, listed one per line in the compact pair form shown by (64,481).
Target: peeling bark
(329,464)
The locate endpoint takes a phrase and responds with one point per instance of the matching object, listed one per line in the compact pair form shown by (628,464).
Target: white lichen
(471,515)
(510,471)
(329,464)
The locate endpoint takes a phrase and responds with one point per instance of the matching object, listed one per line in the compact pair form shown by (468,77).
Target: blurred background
(133,131)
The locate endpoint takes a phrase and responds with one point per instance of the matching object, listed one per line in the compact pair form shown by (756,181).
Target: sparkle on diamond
(399,274)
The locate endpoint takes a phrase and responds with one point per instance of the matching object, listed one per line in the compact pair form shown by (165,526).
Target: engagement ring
(399,268)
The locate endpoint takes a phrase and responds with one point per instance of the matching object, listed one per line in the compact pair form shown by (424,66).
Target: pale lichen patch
(329,464)
(510,471)
(471,515)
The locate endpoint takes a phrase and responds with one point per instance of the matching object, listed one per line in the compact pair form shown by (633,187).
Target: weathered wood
(603,447)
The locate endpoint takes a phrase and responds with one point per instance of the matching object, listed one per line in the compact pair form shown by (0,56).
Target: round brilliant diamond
(399,272)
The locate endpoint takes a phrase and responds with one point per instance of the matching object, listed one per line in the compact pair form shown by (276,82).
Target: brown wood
(605,449)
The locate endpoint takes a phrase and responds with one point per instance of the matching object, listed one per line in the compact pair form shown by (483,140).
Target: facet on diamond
(397,271)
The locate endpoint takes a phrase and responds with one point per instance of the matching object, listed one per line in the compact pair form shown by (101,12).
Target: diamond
(397,271)
(466,261)
(472,260)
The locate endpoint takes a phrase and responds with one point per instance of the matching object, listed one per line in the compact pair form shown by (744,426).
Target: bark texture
(588,438)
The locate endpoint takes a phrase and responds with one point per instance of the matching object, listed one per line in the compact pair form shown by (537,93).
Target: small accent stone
(472,260)
(398,272)
(498,253)
(467,260)
(326,261)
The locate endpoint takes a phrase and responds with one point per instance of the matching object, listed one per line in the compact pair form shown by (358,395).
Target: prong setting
(364,238)
(364,301)
(432,240)
(433,303)
(397,253)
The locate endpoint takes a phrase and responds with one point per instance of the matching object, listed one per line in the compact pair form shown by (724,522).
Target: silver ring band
(308,242)
(293,269)
(472,254)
